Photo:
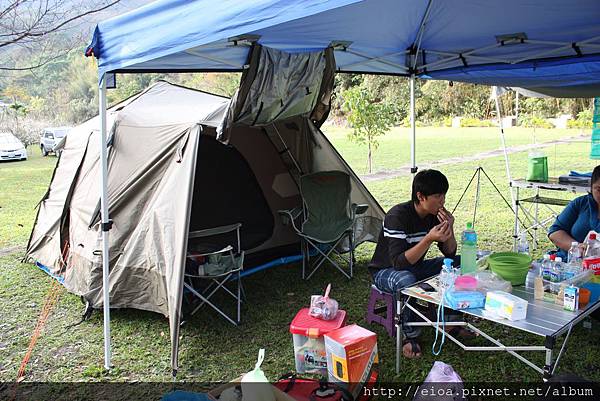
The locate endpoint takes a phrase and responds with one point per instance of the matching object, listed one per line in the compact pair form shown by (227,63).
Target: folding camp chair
(218,267)
(325,220)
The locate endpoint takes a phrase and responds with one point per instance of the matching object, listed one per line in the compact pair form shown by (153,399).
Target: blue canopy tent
(549,46)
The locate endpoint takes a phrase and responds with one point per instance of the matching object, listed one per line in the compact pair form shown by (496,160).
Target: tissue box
(464,299)
(506,305)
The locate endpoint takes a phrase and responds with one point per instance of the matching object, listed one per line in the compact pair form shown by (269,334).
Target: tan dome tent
(168,175)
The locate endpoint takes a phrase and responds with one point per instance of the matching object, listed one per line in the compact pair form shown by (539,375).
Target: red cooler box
(309,345)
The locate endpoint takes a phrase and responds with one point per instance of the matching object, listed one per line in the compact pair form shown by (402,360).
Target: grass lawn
(213,350)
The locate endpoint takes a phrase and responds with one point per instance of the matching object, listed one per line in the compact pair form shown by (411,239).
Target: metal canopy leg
(105,222)
(413,127)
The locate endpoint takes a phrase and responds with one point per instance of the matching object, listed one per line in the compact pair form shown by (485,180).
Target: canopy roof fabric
(534,43)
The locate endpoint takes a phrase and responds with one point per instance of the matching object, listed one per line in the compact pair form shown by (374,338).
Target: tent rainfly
(548,46)
(168,175)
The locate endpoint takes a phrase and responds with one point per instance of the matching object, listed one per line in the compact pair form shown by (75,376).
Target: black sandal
(414,347)
(462,332)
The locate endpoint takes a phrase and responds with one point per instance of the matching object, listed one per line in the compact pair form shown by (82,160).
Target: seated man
(578,218)
(409,229)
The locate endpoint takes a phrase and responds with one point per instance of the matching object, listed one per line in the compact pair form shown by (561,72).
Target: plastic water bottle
(574,256)
(468,253)
(447,275)
(531,275)
(593,247)
(557,269)
(547,267)
(523,245)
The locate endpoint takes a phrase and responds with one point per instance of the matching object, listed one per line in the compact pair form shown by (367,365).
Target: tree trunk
(370,166)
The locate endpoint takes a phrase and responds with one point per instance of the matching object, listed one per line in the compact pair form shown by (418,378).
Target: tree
(41,28)
(368,117)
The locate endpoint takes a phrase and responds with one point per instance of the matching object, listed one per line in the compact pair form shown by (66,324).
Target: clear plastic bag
(323,307)
(490,281)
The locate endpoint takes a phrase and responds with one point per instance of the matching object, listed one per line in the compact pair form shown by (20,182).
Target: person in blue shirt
(578,218)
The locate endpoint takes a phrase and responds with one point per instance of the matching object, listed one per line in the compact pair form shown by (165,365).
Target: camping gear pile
(325,345)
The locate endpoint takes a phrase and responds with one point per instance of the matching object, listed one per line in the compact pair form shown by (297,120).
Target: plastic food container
(309,344)
(465,283)
(510,266)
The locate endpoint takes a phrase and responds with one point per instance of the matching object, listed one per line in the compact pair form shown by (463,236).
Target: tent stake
(105,225)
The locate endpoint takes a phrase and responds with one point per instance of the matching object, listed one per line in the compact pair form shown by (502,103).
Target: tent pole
(413,160)
(512,195)
(104,222)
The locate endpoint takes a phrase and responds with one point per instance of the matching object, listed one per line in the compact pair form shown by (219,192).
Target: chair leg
(326,256)
(239,295)
(304,256)
(351,243)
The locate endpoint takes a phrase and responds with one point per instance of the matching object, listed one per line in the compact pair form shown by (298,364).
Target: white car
(11,148)
(51,137)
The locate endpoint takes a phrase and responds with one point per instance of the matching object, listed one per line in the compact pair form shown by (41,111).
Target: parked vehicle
(11,148)
(50,138)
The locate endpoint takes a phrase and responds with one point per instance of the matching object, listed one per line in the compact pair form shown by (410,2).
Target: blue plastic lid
(448,262)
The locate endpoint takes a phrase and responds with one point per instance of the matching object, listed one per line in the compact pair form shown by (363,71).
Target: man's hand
(445,215)
(441,233)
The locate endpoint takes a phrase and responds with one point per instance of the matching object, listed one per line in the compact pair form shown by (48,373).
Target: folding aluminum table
(544,319)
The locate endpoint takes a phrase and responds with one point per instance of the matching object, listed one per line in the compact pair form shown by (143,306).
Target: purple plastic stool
(373,311)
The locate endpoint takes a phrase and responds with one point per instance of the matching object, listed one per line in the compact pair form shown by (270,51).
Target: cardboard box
(351,354)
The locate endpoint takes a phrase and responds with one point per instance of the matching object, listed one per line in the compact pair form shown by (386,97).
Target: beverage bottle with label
(556,272)
(468,253)
(547,267)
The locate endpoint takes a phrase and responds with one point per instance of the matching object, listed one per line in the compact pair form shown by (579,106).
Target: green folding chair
(325,220)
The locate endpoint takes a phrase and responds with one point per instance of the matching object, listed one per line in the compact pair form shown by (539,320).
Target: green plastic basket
(510,266)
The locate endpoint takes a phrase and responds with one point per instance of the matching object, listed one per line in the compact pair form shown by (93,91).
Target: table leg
(548,366)
(399,334)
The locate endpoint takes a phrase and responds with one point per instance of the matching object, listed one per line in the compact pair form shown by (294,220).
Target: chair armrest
(214,231)
(290,216)
(359,209)
(226,249)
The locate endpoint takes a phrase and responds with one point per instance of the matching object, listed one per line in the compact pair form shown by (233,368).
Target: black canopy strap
(577,49)
(463,59)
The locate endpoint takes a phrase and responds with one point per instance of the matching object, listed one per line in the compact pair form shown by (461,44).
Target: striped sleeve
(394,229)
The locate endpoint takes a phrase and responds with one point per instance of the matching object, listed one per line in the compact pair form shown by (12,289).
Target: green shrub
(583,121)
(534,122)
(475,122)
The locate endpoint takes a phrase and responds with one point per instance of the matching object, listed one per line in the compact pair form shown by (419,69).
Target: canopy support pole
(512,195)
(104,222)
(413,127)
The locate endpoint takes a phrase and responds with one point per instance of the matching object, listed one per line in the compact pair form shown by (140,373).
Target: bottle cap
(553,257)
(448,262)
(469,225)
(593,236)
(574,243)
(558,259)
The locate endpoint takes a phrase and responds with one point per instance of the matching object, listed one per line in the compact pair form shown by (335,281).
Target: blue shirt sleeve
(566,219)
